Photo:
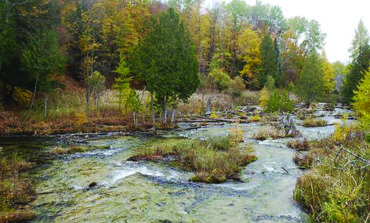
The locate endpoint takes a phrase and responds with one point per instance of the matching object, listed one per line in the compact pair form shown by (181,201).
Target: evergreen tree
(269,59)
(166,60)
(310,85)
(359,67)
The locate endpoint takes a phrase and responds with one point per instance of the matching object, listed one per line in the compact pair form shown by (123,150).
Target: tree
(249,43)
(166,60)
(269,59)
(359,66)
(361,39)
(329,76)
(96,86)
(310,86)
(362,100)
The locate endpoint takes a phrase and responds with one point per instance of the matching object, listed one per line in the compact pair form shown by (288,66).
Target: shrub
(220,79)
(236,87)
(270,83)
(314,123)
(263,98)
(279,102)
(299,145)
(337,189)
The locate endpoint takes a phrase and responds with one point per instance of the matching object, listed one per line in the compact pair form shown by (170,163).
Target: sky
(338,19)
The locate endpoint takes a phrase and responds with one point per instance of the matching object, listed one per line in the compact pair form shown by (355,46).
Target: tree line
(119,41)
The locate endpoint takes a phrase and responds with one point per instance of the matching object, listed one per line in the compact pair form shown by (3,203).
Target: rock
(93,184)
(251,109)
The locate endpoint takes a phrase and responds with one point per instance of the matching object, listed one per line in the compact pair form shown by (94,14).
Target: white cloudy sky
(338,19)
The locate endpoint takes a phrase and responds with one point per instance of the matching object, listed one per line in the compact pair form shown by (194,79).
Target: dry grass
(337,188)
(14,191)
(269,132)
(213,161)
(299,145)
(314,123)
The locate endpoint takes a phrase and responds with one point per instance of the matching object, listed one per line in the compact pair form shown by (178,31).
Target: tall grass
(337,188)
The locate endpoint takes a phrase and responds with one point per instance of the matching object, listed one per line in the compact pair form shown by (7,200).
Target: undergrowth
(337,188)
(15,192)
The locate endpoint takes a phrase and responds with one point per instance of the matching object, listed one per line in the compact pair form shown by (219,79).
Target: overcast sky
(338,19)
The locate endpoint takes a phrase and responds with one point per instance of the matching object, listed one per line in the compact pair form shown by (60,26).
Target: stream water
(154,192)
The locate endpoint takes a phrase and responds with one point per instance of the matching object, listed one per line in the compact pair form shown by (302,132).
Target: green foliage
(263,97)
(269,59)
(236,87)
(213,161)
(359,67)
(220,79)
(310,85)
(279,102)
(166,59)
(270,83)
(96,83)
(335,190)
(362,101)
(133,101)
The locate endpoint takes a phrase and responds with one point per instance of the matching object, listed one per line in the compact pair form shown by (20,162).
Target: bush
(279,102)
(263,98)
(220,79)
(236,87)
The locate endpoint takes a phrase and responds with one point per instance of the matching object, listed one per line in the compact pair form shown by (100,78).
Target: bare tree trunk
(46,104)
(173,115)
(143,100)
(165,110)
(87,66)
(134,116)
(34,93)
(152,107)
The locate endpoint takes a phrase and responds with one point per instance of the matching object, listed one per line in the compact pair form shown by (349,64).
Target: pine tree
(310,86)
(166,60)
(269,59)
(359,66)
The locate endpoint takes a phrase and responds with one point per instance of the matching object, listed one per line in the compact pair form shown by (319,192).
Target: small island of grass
(214,160)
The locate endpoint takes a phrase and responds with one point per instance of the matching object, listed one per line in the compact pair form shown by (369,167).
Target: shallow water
(154,192)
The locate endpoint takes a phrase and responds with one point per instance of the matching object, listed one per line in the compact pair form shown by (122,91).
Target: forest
(75,71)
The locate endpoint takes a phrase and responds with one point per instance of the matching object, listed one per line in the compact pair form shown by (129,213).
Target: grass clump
(14,191)
(314,123)
(213,161)
(337,188)
(273,133)
(299,145)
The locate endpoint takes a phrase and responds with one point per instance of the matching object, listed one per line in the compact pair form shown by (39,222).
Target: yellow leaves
(362,101)
(249,44)
(263,98)
(329,76)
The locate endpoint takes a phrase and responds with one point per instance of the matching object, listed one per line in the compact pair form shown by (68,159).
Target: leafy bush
(279,102)
(220,79)
(236,87)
